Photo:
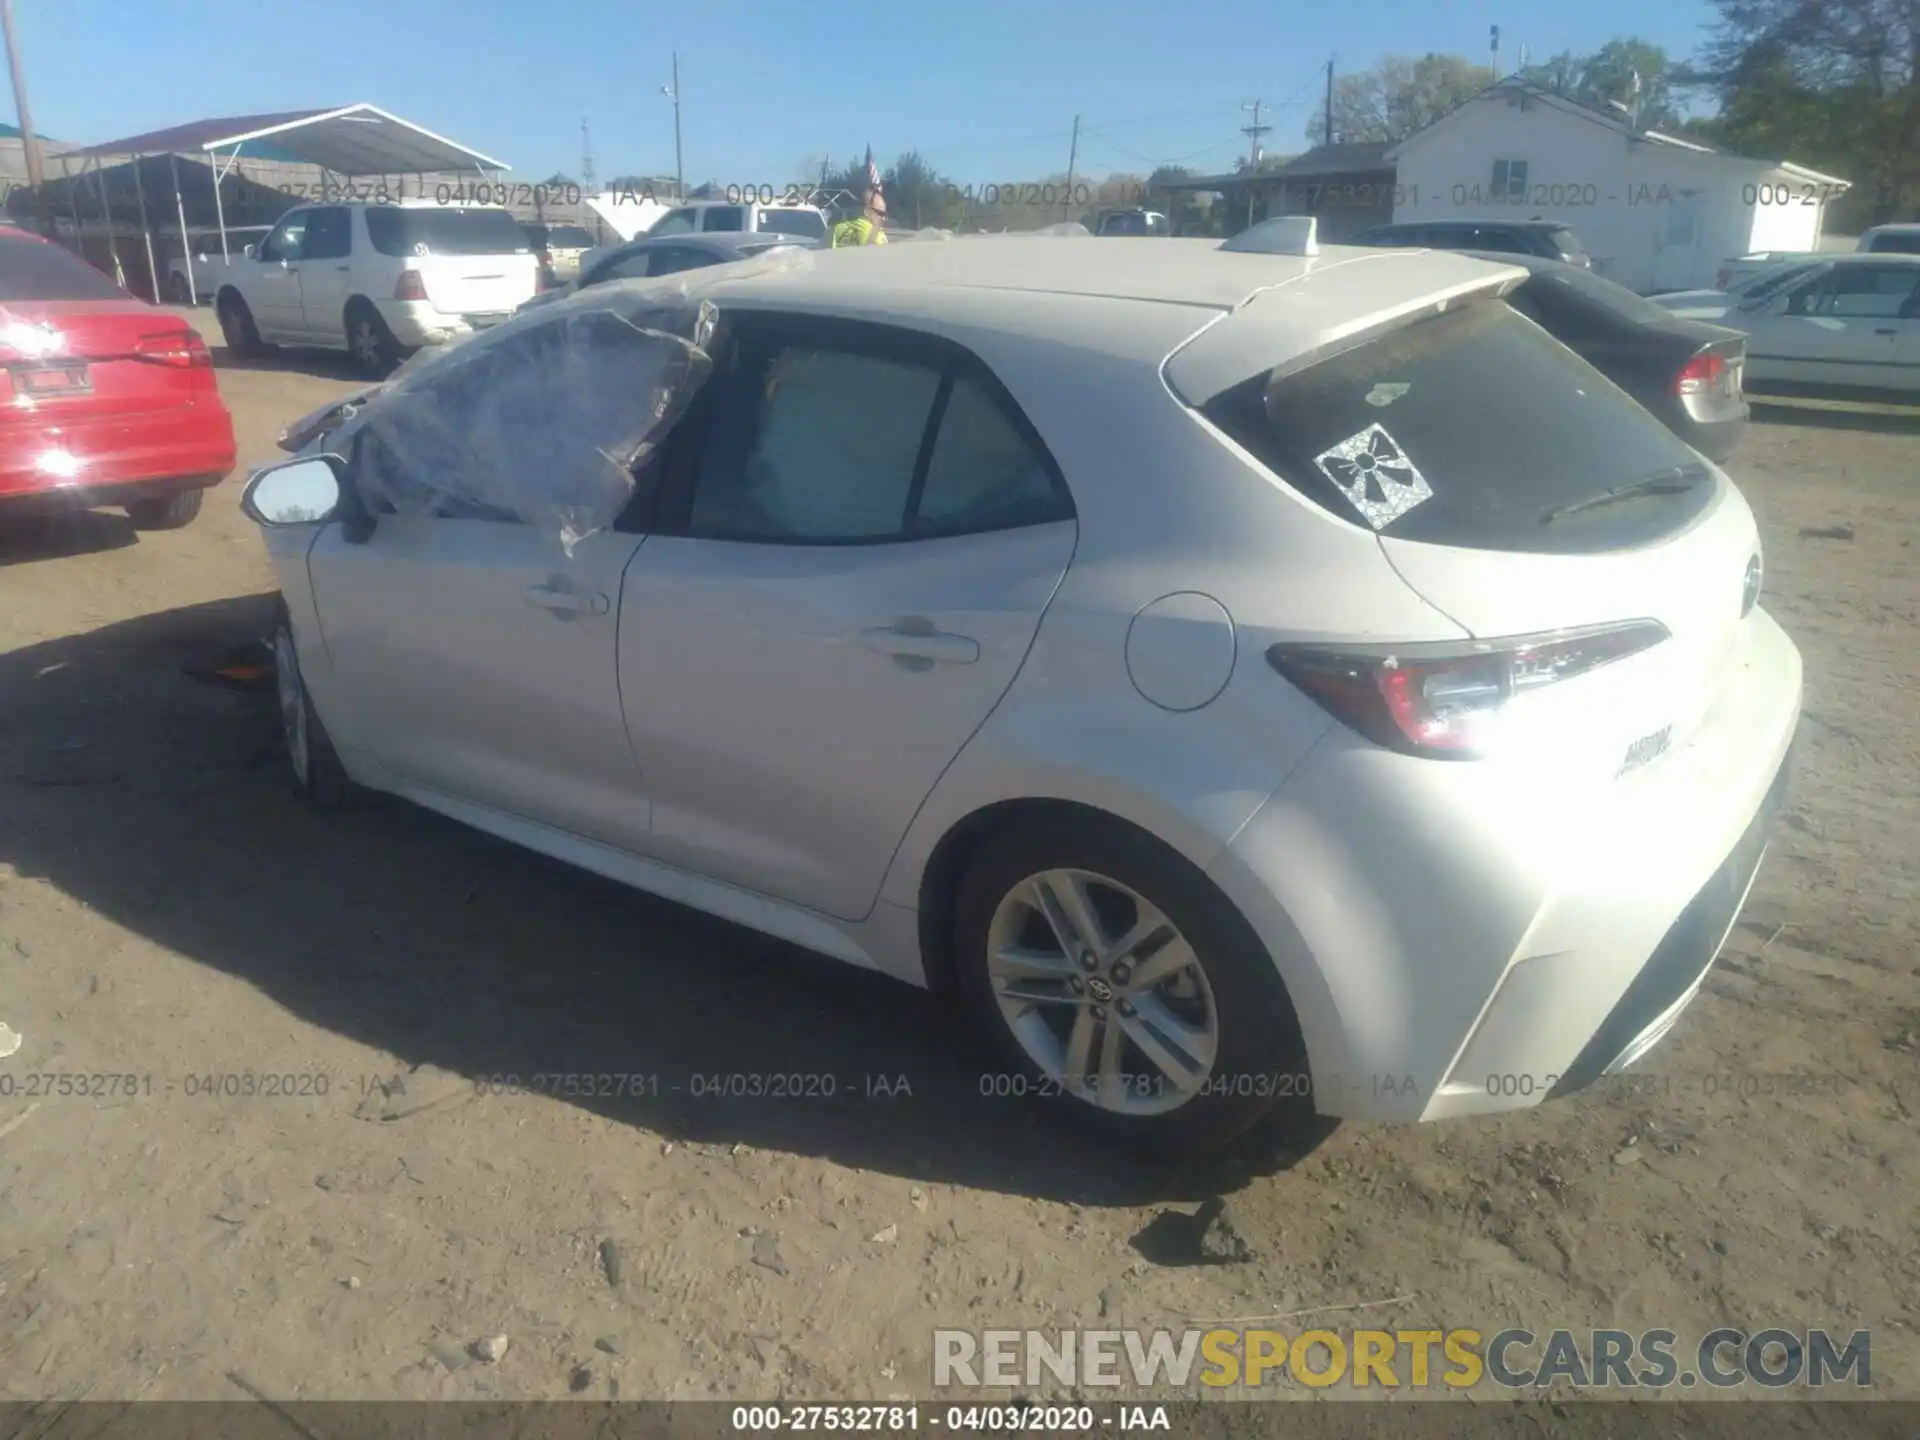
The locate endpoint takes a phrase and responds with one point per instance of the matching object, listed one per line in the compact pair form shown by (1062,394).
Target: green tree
(1614,73)
(1828,83)
(1398,97)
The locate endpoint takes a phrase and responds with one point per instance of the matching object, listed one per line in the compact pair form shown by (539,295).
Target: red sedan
(107,399)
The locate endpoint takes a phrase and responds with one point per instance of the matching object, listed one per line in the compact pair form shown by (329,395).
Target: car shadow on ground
(157,800)
(63,535)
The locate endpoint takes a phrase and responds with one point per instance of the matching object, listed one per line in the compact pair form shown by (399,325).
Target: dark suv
(1545,238)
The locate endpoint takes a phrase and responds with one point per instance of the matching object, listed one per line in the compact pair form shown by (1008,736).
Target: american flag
(873,173)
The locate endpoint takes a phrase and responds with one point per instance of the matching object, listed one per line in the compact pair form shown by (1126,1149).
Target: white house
(1655,211)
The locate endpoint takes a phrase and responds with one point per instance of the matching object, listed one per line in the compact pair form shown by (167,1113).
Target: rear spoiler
(1329,307)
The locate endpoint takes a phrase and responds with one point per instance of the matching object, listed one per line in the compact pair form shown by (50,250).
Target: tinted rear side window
(444,231)
(40,270)
(1566,243)
(1469,428)
(724,217)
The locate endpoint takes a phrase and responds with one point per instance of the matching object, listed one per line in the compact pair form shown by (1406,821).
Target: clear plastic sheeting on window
(542,420)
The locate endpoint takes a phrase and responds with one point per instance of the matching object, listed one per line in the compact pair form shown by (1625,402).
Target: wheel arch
(1303,987)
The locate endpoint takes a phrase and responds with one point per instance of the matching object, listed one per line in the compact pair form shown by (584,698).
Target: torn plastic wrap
(543,420)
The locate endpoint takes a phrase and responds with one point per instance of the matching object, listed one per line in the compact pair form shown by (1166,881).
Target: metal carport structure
(347,140)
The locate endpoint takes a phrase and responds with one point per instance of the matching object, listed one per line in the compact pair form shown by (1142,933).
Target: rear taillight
(181,348)
(1705,371)
(410,286)
(1444,700)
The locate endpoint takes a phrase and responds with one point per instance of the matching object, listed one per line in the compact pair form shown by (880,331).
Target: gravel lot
(169,913)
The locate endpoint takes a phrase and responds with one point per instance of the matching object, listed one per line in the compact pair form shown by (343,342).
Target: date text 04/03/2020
(1016,1418)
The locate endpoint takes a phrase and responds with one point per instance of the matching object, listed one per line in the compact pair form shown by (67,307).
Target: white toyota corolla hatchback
(1234,677)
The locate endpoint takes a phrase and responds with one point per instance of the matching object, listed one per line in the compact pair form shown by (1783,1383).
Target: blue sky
(985,89)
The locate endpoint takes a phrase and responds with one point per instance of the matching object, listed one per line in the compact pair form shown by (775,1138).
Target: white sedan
(1236,679)
(1846,322)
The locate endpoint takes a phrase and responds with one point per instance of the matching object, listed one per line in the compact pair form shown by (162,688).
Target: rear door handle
(1886,332)
(343,268)
(914,639)
(567,602)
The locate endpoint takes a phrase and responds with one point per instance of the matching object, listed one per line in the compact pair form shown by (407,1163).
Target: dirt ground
(168,913)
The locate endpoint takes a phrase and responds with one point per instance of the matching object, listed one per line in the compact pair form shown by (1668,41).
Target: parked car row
(1230,680)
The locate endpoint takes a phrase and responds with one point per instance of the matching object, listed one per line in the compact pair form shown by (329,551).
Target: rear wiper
(1675,480)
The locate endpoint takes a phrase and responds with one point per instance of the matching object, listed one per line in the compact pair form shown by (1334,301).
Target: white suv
(377,280)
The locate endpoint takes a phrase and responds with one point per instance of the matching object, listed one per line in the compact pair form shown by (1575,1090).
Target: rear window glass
(808,224)
(724,217)
(568,237)
(41,270)
(1469,428)
(1597,293)
(444,230)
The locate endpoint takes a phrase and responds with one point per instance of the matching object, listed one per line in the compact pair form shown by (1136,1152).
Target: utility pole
(1254,131)
(673,92)
(29,142)
(1073,154)
(586,160)
(1329,139)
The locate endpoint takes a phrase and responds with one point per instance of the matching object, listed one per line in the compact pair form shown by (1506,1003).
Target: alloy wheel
(1102,992)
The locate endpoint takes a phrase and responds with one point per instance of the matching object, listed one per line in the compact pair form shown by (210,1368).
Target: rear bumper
(1463,938)
(115,461)
(415,323)
(1678,967)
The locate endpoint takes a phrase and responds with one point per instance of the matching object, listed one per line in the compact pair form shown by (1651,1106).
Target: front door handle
(1888,331)
(916,644)
(567,602)
(343,268)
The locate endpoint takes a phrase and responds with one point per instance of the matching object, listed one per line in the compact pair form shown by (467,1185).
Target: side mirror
(303,491)
(252,252)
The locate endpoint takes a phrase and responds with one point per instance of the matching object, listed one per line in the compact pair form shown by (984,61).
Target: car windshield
(1508,430)
(1757,289)
(34,269)
(440,230)
(808,224)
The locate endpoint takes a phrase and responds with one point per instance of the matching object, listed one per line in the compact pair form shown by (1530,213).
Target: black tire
(237,327)
(376,354)
(1258,1035)
(321,780)
(166,512)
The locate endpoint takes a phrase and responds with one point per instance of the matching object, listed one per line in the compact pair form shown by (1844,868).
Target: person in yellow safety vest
(865,228)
